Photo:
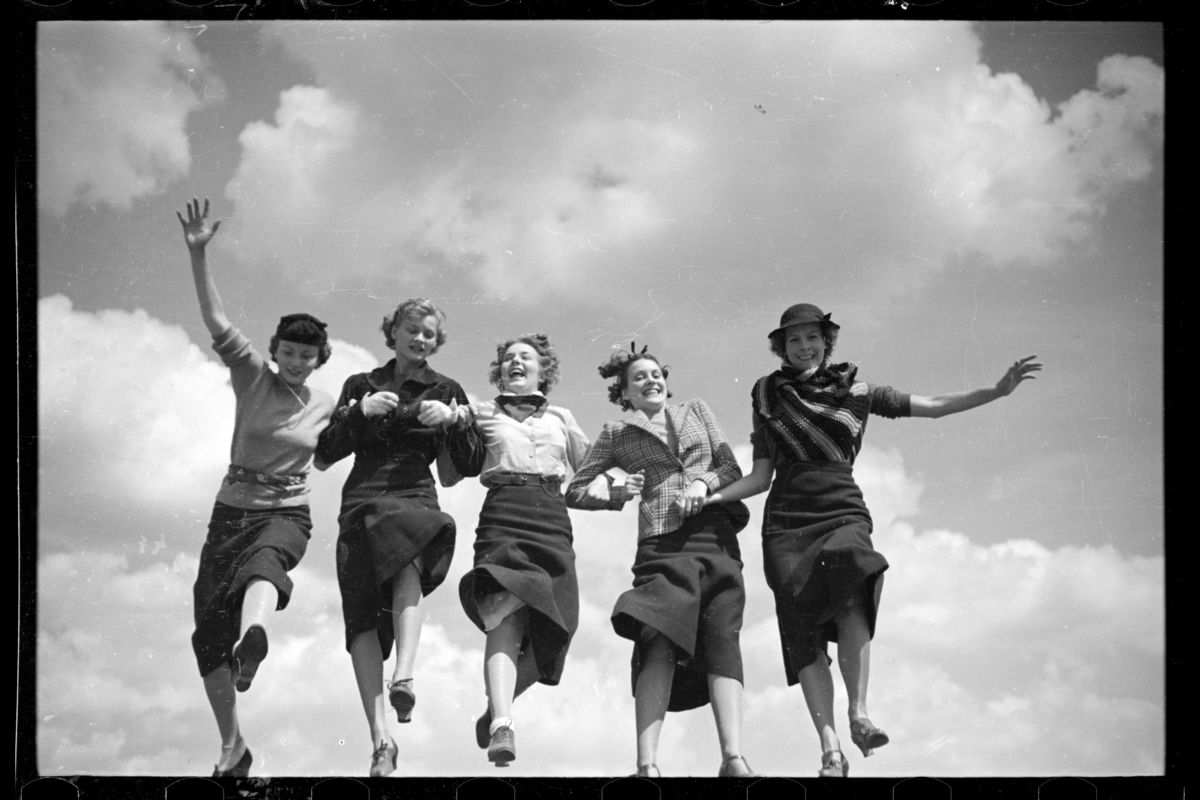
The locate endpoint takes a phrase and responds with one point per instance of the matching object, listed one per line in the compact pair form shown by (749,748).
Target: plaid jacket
(632,445)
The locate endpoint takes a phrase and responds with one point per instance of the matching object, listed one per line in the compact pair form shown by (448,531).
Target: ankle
(501,722)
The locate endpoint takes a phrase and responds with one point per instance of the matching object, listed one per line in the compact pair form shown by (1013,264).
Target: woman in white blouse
(522,591)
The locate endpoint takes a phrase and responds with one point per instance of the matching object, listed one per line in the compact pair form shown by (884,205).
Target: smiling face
(804,345)
(645,386)
(520,369)
(416,339)
(296,361)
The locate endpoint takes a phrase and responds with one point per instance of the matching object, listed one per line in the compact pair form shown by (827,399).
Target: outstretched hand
(196,230)
(1019,371)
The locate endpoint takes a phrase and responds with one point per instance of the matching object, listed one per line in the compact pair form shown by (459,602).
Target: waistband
(238,474)
(520,479)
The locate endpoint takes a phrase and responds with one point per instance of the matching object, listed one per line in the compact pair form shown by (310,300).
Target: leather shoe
(402,698)
(834,765)
(735,767)
(239,770)
(383,760)
(503,746)
(247,655)
(864,734)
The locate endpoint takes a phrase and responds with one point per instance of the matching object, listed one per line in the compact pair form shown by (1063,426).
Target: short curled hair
(829,333)
(324,351)
(417,308)
(617,366)
(547,360)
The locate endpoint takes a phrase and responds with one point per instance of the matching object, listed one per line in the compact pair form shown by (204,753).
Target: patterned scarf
(818,415)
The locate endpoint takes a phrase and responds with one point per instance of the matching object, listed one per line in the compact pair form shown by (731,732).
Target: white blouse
(548,442)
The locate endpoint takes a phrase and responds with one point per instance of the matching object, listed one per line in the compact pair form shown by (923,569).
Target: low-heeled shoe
(239,770)
(503,746)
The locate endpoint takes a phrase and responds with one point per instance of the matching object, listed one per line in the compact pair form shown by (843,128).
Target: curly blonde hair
(547,360)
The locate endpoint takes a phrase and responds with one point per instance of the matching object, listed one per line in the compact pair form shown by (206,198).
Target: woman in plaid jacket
(684,612)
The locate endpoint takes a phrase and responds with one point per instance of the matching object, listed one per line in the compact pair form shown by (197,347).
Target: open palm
(1021,370)
(196,230)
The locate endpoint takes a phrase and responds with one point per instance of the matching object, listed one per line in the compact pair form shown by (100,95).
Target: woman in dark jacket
(395,543)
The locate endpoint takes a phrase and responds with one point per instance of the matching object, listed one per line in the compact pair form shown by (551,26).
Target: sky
(958,195)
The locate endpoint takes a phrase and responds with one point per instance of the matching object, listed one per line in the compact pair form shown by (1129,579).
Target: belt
(238,474)
(521,479)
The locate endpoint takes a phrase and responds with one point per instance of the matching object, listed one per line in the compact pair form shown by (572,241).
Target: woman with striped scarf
(809,418)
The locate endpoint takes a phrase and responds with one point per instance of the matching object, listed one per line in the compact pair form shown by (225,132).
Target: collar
(381,378)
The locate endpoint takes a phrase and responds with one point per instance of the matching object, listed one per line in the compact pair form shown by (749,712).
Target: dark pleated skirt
(242,545)
(523,546)
(378,538)
(687,585)
(818,558)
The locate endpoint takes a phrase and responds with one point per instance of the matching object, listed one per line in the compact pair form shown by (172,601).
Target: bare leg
(854,657)
(218,686)
(259,601)
(406,620)
(502,653)
(367,659)
(817,683)
(726,696)
(652,694)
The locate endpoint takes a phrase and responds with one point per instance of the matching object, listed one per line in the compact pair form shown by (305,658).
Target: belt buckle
(522,479)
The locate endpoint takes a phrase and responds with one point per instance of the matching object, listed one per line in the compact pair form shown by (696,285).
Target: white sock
(500,722)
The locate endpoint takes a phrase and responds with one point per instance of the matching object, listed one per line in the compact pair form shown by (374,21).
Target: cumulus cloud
(113,102)
(1008,177)
(1025,640)
(135,422)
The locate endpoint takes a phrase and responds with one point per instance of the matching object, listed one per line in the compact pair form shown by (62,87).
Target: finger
(180,218)
(216,225)
(194,209)
(206,206)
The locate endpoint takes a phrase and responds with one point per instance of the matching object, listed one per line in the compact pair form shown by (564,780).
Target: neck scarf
(818,414)
(533,401)
(520,406)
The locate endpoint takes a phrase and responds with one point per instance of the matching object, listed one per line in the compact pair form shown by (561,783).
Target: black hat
(302,329)
(802,313)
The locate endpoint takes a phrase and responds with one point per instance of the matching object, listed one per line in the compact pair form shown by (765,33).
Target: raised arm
(941,405)
(197,233)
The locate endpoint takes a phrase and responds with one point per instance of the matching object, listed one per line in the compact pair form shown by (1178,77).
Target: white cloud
(1018,685)
(113,102)
(517,184)
(135,421)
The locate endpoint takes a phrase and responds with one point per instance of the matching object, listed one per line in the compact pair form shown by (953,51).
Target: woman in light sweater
(260,522)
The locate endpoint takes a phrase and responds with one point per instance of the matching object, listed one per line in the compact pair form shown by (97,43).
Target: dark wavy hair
(617,366)
(829,333)
(303,329)
(418,308)
(547,360)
